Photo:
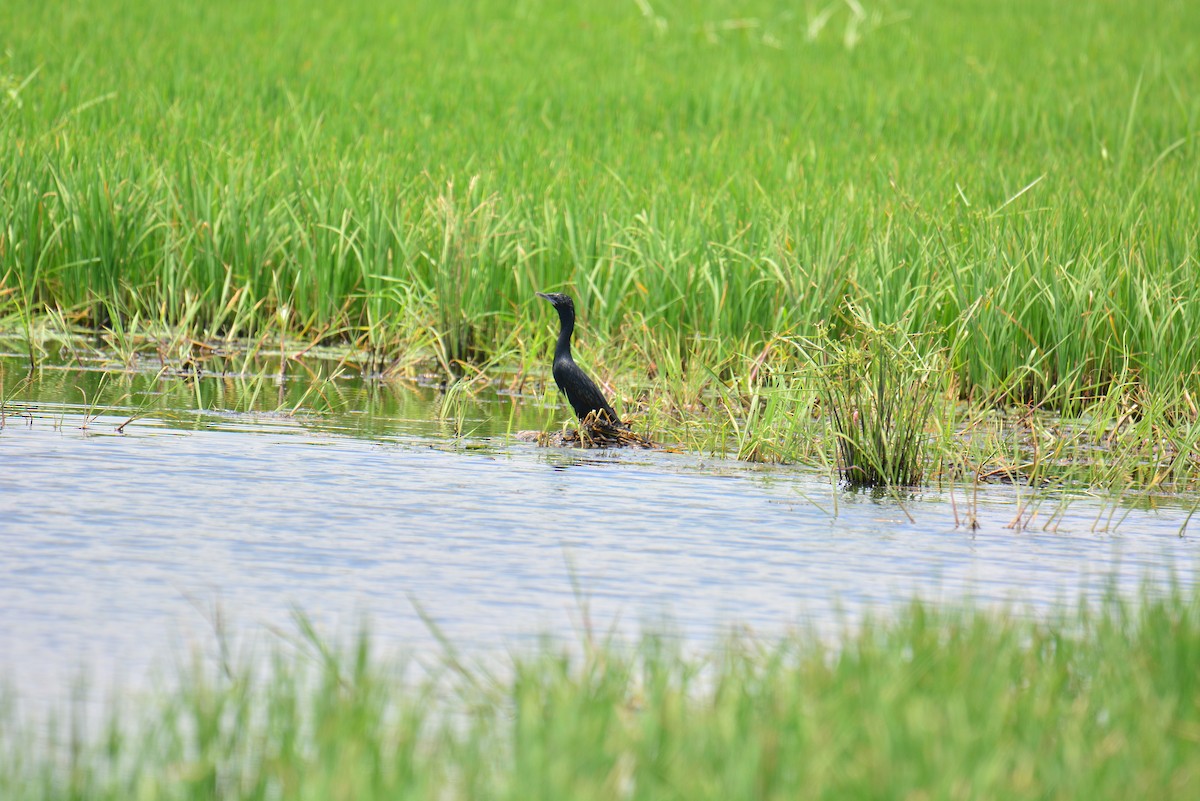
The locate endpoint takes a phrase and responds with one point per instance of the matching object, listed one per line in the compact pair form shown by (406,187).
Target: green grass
(1095,704)
(707,178)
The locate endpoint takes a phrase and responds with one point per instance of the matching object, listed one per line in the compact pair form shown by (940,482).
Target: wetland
(904,292)
(137,502)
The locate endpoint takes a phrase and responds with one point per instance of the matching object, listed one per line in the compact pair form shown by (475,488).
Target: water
(116,548)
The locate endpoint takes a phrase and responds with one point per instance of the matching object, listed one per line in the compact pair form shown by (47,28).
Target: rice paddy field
(912,244)
(712,181)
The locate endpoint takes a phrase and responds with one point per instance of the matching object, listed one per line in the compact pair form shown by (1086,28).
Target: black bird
(582,393)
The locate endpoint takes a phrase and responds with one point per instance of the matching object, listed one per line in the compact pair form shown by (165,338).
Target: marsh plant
(452,411)
(880,386)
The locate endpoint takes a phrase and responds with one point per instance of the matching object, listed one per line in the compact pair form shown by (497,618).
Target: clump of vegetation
(1099,703)
(880,386)
(595,431)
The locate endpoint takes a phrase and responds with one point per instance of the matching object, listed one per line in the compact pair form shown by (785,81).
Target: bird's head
(558,300)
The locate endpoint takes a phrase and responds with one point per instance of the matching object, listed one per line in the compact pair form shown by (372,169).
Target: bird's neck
(562,350)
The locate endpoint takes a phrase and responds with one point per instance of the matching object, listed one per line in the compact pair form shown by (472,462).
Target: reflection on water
(321,395)
(114,546)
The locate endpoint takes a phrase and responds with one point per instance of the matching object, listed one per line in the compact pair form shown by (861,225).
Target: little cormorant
(581,391)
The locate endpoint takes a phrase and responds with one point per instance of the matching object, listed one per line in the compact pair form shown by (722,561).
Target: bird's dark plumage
(581,391)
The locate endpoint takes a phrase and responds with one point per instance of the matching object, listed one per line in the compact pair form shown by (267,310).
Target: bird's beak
(542,295)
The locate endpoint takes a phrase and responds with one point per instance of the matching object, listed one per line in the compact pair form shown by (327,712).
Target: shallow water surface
(117,547)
